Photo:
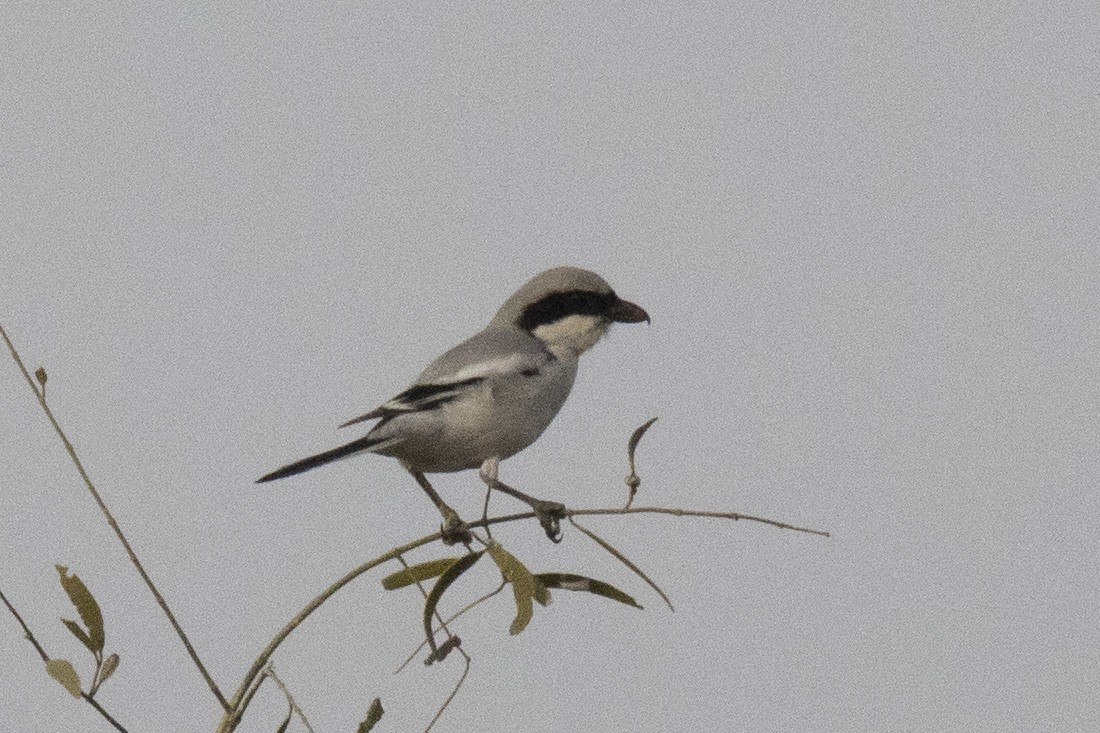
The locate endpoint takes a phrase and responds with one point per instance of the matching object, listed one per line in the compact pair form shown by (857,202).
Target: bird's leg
(453,528)
(549,513)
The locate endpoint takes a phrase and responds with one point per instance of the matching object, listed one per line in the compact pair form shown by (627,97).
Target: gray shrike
(492,395)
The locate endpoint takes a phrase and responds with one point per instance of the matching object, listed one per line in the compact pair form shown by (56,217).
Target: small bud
(110,664)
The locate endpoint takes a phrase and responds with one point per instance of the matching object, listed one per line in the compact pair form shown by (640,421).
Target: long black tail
(355,446)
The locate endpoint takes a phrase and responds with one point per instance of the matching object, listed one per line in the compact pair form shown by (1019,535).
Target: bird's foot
(550,514)
(453,529)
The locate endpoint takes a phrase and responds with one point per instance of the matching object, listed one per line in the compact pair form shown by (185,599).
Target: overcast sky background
(867,236)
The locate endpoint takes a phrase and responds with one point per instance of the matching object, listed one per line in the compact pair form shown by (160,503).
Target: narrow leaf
(632,480)
(78,631)
(110,664)
(569,581)
(86,606)
(415,573)
(450,575)
(636,437)
(64,673)
(525,586)
(374,714)
(286,721)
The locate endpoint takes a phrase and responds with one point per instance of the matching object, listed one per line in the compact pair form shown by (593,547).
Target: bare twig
(617,511)
(26,629)
(623,559)
(736,516)
(458,686)
(289,698)
(99,709)
(254,687)
(40,395)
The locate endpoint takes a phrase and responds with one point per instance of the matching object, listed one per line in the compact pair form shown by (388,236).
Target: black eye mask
(559,305)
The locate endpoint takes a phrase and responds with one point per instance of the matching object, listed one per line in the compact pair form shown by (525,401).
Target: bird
(492,395)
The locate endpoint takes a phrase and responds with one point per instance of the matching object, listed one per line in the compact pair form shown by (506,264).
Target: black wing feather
(418,398)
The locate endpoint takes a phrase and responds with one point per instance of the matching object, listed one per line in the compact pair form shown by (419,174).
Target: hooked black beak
(623,311)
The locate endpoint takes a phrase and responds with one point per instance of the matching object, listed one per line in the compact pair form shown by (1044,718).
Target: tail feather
(356,446)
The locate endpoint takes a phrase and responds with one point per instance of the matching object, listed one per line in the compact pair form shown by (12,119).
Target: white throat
(572,335)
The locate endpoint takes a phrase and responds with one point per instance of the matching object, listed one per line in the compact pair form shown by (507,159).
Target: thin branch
(239,704)
(450,697)
(46,658)
(735,516)
(26,629)
(251,693)
(99,709)
(289,698)
(114,524)
(623,559)
(485,509)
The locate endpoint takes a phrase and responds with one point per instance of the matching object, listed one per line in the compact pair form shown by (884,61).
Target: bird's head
(568,309)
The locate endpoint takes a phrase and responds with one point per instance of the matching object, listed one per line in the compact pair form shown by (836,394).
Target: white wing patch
(512,364)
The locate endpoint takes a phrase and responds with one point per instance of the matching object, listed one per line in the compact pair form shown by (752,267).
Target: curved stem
(233,715)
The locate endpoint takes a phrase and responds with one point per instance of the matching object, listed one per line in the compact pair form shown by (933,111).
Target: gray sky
(867,235)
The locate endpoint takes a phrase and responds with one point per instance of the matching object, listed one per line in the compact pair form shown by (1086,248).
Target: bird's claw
(550,514)
(453,530)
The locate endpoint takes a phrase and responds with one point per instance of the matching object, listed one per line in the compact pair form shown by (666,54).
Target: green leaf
(78,631)
(569,581)
(63,672)
(86,606)
(110,664)
(286,721)
(415,573)
(374,714)
(450,575)
(525,586)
